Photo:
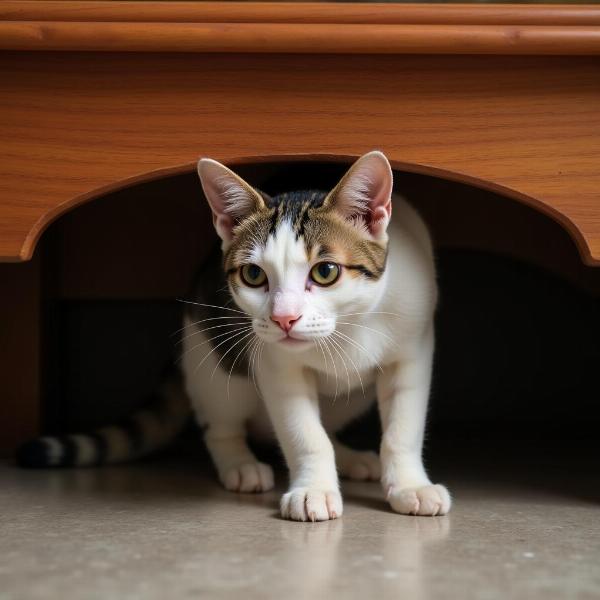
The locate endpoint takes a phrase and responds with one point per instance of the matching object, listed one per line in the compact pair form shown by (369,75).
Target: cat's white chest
(338,405)
(344,381)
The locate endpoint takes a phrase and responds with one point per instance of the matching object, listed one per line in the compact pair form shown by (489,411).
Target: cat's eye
(253,275)
(325,273)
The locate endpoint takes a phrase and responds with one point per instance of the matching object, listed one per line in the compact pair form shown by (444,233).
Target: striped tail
(147,430)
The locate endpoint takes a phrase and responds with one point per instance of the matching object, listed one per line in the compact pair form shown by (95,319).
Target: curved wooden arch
(186,168)
(75,123)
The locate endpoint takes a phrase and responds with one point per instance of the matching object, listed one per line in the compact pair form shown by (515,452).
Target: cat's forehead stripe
(294,207)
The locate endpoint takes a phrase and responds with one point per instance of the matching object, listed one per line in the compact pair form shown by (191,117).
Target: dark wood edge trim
(298,12)
(52,215)
(300,38)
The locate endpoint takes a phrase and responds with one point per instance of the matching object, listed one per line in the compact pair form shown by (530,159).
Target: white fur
(357,194)
(356,340)
(237,202)
(86,449)
(117,443)
(54,450)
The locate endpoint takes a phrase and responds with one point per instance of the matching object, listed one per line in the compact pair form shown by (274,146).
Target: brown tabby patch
(339,240)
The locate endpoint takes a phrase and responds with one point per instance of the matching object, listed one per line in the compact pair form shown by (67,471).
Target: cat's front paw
(248,477)
(427,500)
(309,504)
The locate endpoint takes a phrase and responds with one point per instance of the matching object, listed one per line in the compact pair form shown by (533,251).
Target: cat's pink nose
(286,322)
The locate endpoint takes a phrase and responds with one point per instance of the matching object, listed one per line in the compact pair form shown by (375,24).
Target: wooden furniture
(98,95)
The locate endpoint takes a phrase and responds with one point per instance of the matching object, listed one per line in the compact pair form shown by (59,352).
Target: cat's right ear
(231,199)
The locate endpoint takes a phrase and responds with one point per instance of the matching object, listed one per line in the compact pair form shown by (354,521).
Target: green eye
(253,275)
(325,273)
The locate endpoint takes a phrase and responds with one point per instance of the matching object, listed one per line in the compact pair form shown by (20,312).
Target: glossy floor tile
(520,528)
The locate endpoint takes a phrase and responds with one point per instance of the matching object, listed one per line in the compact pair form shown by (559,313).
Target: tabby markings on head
(323,231)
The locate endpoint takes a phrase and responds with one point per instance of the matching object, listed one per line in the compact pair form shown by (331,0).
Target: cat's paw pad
(427,501)
(248,478)
(308,504)
(364,466)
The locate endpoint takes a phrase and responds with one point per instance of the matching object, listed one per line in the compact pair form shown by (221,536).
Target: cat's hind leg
(225,432)
(362,465)
(224,402)
(238,468)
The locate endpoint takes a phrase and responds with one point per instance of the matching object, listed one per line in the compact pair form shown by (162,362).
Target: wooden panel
(299,12)
(75,125)
(20,340)
(299,27)
(314,38)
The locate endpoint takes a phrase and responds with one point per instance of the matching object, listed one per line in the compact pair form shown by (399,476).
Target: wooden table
(99,95)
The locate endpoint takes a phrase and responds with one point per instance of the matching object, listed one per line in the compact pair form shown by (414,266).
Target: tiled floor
(521,528)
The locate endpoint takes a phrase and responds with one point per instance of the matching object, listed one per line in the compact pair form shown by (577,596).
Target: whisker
(352,363)
(231,337)
(256,357)
(345,368)
(318,342)
(250,341)
(211,306)
(370,329)
(259,354)
(204,320)
(360,347)
(209,328)
(229,350)
(210,340)
(335,345)
(253,351)
(326,344)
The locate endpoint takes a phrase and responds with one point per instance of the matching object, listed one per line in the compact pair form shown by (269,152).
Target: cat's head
(301,261)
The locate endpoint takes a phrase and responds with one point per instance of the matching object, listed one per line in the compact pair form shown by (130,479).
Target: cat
(316,305)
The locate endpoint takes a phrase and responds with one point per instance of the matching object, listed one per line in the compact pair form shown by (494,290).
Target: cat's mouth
(288,340)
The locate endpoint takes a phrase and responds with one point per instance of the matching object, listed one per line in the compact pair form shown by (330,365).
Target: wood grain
(290,27)
(76,125)
(299,12)
(314,38)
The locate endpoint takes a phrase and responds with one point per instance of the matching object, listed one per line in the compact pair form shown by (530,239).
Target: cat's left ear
(365,193)
(231,199)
